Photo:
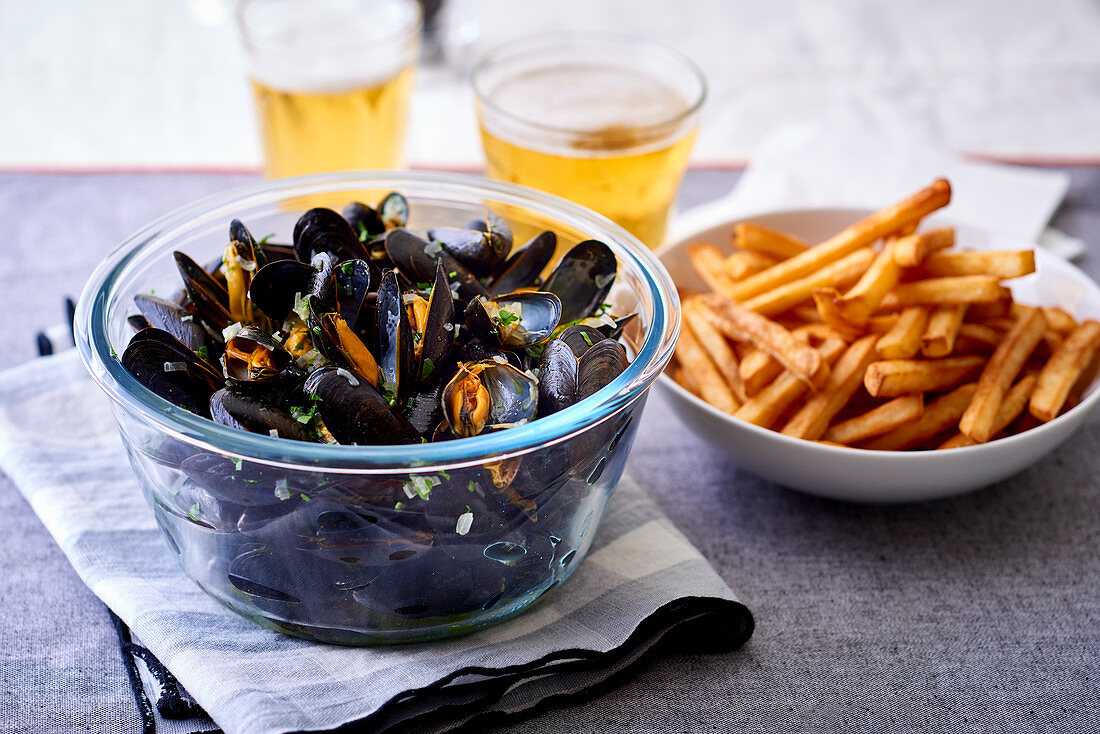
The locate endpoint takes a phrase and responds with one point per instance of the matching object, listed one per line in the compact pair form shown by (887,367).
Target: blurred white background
(134,83)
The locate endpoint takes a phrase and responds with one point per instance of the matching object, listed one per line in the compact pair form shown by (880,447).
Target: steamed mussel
(362,331)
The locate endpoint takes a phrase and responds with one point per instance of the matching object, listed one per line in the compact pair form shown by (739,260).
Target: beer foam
(334,47)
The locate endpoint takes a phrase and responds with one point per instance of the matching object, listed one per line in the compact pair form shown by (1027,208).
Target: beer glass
(331,80)
(605,120)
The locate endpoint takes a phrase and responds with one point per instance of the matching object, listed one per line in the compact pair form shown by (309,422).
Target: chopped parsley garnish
(471,486)
(426,368)
(303,415)
(422,286)
(193,513)
(452,274)
(445,475)
(587,338)
(535,352)
(347,268)
(263,240)
(304,496)
(204,352)
(399,506)
(237,463)
(364,235)
(507,317)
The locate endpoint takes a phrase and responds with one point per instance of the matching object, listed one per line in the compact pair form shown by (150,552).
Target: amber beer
(331,81)
(612,136)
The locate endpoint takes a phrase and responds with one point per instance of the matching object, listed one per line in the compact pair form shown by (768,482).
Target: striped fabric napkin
(642,583)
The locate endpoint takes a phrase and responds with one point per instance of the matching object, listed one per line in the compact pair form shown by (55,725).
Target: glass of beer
(606,121)
(331,80)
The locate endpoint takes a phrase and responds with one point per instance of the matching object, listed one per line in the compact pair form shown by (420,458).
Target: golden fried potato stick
(1005,363)
(903,340)
(942,291)
(709,381)
(1014,404)
(716,346)
(981,333)
(812,420)
(710,263)
(911,250)
(999,263)
(857,305)
(978,312)
(938,339)
(892,377)
(766,407)
(744,263)
(737,322)
(836,274)
(877,421)
(758,368)
(770,242)
(861,234)
(939,415)
(1063,369)
(685,380)
(1057,318)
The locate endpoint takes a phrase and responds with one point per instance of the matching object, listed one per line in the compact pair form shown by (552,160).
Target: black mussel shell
(323,230)
(251,414)
(423,408)
(323,286)
(439,329)
(253,355)
(501,396)
(597,367)
(474,350)
(416,258)
(163,364)
(209,297)
(275,285)
(247,247)
(621,322)
(481,252)
(233,481)
(138,322)
(582,279)
(354,279)
(274,251)
(356,413)
(394,210)
(336,340)
(365,221)
(396,352)
(516,320)
(557,378)
(524,267)
(495,224)
(174,319)
(581,337)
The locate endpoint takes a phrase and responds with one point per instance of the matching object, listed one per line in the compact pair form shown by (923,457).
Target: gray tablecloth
(975,613)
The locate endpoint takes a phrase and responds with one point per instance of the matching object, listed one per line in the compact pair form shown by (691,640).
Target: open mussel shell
(516,320)
(246,244)
(323,230)
(334,338)
(208,296)
(524,267)
(255,415)
(365,222)
(488,394)
(275,285)
(557,378)
(582,279)
(435,337)
(417,259)
(396,352)
(394,210)
(163,364)
(253,355)
(354,279)
(602,363)
(174,319)
(356,413)
(481,252)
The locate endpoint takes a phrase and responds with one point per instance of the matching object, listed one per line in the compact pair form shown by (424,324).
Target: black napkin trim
(687,624)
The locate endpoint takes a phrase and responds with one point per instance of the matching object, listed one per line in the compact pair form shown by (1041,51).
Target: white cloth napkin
(641,581)
(844,164)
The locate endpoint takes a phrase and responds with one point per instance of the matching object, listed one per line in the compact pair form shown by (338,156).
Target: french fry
(999,372)
(710,263)
(744,263)
(836,274)
(861,234)
(903,340)
(892,377)
(1063,369)
(767,406)
(938,416)
(1014,403)
(1057,318)
(686,380)
(758,368)
(978,312)
(737,322)
(770,242)
(877,421)
(711,385)
(981,333)
(938,339)
(716,346)
(812,420)
(911,250)
(857,305)
(942,291)
(1001,264)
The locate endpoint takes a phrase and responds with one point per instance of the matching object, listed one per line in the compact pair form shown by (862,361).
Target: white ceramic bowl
(859,475)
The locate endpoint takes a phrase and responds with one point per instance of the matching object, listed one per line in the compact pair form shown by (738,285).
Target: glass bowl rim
(93,343)
(508,50)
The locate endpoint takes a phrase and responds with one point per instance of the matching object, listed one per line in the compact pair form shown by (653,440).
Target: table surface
(974,613)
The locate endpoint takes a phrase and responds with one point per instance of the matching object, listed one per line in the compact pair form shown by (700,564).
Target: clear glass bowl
(358,544)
